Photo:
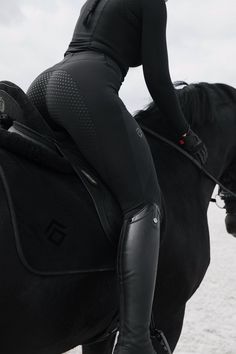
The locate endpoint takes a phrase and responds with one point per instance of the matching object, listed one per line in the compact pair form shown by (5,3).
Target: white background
(34,35)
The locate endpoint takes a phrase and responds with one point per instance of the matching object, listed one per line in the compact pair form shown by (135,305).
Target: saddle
(65,220)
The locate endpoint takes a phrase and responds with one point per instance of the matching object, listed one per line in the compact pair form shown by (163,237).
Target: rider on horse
(80,94)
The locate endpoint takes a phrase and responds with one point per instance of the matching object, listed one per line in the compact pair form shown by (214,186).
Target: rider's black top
(132,32)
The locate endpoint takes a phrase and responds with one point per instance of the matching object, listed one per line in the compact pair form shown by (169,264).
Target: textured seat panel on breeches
(59,101)
(37,94)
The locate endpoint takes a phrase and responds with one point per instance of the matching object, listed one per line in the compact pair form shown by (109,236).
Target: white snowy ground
(210,321)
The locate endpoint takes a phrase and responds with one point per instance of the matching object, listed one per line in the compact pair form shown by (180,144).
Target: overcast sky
(34,35)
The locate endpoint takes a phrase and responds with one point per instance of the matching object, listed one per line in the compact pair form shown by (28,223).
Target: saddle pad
(56,227)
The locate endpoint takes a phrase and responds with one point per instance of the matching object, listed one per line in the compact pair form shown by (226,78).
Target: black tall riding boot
(137,265)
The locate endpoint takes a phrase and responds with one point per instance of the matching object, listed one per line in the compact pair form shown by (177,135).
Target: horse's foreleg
(104,347)
(171,326)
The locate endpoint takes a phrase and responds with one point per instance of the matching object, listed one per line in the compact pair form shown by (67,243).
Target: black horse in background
(52,314)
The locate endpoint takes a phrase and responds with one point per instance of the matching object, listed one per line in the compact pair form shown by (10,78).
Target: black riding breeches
(81,94)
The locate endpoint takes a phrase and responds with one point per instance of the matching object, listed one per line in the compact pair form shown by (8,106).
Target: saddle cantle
(53,152)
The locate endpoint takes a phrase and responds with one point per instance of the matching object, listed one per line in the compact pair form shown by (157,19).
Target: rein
(195,162)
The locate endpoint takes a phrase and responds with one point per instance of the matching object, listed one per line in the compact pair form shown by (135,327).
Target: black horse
(52,314)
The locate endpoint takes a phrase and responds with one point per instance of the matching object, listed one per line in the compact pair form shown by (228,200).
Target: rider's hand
(191,143)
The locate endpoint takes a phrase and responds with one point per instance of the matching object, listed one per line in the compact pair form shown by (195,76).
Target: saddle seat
(22,128)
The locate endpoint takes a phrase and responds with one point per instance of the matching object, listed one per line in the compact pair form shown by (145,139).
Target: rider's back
(132,32)
(114,28)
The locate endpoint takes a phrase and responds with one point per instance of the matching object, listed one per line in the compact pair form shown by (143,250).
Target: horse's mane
(198,100)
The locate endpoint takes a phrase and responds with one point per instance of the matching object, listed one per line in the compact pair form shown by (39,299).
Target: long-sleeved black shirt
(133,32)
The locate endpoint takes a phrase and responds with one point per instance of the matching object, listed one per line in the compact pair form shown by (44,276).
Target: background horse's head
(229,181)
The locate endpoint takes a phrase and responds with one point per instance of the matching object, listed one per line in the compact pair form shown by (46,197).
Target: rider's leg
(84,100)
(137,262)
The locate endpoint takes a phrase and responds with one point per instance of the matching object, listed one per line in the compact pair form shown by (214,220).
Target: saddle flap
(53,220)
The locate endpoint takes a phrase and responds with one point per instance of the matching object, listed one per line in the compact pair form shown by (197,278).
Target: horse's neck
(181,182)
(178,176)
(186,190)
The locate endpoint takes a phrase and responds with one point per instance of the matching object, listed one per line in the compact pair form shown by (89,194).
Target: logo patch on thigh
(139,132)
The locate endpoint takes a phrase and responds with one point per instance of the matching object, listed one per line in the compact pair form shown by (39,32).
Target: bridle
(194,161)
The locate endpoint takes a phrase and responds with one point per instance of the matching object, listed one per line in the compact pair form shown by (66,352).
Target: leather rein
(194,161)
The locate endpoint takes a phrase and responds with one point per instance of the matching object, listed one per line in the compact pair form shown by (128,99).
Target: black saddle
(25,133)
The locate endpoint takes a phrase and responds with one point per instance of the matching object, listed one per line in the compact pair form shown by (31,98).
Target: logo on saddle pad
(56,232)
(2,105)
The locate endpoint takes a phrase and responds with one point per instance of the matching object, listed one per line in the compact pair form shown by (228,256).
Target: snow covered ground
(210,321)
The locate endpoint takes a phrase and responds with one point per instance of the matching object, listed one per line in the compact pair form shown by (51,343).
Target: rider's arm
(156,67)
